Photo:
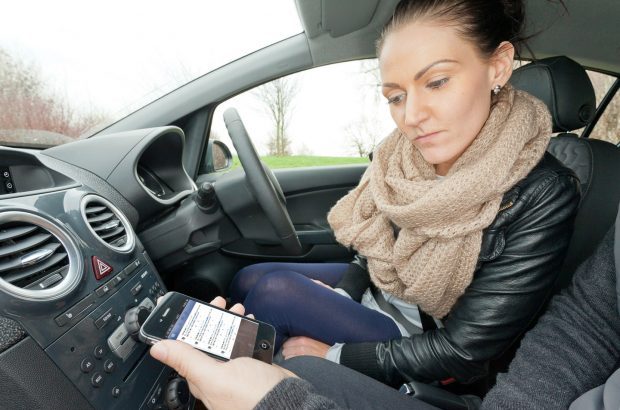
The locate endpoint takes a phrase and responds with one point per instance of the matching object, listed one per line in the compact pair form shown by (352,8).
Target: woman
(462,217)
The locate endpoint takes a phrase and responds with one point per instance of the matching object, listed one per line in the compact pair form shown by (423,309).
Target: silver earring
(497,89)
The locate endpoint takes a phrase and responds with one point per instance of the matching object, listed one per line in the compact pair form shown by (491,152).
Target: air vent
(36,257)
(107,223)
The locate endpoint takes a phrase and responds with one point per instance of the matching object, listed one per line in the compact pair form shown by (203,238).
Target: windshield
(68,68)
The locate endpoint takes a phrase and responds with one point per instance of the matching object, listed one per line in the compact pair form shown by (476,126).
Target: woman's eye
(396,99)
(438,83)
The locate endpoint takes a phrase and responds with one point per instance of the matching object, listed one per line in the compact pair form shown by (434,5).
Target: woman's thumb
(181,357)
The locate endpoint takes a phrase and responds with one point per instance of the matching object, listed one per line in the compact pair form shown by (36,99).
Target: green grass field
(295,161)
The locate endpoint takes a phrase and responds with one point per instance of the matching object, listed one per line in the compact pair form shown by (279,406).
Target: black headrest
(564,86)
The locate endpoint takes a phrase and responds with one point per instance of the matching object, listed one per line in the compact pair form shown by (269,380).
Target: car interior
(95,228)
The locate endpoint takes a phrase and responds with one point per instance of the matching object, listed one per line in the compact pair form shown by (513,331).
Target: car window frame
(600,110)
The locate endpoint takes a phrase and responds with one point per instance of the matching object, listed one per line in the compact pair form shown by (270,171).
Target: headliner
(589,33)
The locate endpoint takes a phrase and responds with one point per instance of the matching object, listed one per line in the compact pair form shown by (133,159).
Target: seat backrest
(564,86)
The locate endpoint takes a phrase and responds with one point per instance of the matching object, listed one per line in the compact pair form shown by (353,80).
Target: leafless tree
(371,78)
(362,136)
(277,98)
(28,103)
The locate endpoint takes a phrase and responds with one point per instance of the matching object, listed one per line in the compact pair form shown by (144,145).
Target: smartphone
(217,332)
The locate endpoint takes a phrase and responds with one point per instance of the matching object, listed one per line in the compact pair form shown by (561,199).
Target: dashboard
(72,266)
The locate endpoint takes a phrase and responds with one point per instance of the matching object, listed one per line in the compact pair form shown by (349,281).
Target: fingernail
(159,351)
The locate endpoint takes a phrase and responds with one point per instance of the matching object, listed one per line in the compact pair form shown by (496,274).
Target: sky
(116,56)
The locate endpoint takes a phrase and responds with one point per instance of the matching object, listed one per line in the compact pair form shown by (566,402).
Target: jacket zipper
(506,206)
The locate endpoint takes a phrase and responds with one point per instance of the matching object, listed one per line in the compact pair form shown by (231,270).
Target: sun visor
(336,17)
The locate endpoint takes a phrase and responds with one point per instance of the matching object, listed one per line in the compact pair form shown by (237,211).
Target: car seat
(564,86)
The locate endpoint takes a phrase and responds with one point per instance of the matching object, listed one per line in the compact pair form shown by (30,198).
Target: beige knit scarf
(433,259)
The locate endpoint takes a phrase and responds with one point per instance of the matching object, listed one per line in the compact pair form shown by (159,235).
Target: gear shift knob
(134,319)
(205,197)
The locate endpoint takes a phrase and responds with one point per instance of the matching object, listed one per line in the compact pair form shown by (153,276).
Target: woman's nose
(416,111)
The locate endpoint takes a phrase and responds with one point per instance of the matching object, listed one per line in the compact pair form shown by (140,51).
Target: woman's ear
(502,62)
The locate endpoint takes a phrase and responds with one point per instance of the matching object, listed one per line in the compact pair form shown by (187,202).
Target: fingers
(219,302)
(181,357)
(297,341)
(238,309)
(292,351)
(293,346)
(304,346)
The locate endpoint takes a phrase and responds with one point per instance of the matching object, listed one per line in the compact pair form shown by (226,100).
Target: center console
(78,268)
(109,367)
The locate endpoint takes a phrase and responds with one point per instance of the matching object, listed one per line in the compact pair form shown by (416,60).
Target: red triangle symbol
(101,268)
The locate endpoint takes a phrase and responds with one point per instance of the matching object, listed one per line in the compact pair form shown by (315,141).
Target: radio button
(118,278)
(103,290)
(136,289)
(64,318)
(99,352)
(109,366)
(97,379)
(116,391)
(75,311)
(132,267)
(104,319)
(87,365)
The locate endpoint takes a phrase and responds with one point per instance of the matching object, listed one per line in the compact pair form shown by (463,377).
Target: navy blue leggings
(284,295)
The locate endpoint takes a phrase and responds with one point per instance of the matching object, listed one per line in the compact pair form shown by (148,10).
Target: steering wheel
(263,184)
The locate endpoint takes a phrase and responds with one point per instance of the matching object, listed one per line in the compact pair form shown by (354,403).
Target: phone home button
(265,345)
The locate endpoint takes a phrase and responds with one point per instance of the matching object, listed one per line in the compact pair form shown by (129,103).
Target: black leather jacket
(519,261)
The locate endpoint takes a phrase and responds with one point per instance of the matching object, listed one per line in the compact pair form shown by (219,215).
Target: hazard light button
(101,268)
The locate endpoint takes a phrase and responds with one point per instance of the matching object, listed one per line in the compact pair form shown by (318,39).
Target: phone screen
(213,330)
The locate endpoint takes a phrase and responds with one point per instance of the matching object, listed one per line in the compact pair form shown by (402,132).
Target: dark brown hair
(486,23)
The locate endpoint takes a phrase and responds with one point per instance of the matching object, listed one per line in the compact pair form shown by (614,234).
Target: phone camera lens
(265,345)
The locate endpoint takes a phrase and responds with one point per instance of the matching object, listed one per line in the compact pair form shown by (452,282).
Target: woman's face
(438,88)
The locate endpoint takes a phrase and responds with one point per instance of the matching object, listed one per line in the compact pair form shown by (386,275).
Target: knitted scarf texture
(432,259)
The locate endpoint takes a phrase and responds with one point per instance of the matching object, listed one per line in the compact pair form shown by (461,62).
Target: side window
(333,115)
(607,127)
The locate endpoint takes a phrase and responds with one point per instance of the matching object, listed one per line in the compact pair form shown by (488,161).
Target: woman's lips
(426,137)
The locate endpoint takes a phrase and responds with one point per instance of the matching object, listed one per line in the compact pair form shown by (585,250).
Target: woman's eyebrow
(421,72)
(390,85)
(428,67)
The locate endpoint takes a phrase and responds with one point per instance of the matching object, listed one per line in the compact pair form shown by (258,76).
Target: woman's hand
(304,346)
(237,384)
